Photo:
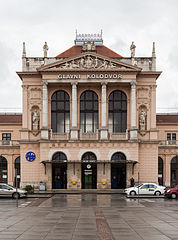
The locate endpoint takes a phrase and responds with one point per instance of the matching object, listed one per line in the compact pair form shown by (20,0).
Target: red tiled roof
(76,50)
(10,118)
(167,118)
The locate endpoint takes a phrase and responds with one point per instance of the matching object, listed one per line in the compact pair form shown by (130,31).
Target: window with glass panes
(117,112)
(60,112)
(88,111)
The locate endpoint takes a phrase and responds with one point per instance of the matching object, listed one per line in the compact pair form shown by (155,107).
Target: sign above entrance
(30,156)
(91,76)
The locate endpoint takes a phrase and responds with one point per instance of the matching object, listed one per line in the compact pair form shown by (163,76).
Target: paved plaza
(89,217)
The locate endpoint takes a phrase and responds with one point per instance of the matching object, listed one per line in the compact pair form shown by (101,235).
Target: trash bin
(42,186)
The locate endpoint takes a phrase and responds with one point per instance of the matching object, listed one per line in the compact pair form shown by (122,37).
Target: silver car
(8,190)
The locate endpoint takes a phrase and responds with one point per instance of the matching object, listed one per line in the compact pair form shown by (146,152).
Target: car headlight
(168,190)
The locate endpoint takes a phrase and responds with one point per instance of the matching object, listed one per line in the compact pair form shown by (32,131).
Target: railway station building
(88,121)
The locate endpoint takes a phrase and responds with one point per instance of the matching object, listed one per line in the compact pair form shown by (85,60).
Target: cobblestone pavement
(89,217)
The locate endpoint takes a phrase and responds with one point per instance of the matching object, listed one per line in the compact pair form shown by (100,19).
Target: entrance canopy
(89,161)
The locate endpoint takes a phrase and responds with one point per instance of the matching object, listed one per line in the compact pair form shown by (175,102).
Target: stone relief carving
(89,62)
(142,120)
(88,46)
(35,120)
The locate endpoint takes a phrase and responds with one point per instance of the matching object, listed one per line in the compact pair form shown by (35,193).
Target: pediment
(89,61)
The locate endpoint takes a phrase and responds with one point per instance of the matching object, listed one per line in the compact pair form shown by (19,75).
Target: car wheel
(132,193)
(157,193)
(15,195)
(173,195)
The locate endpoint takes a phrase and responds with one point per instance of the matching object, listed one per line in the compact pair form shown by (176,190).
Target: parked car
(8,190)
(171,193)
(145,188)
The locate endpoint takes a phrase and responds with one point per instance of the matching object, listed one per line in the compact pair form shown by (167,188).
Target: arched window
(17,169)
(174,171)
(3,169)
(89,156)
(59,156)
(118,156)
(117,111)
(60,112)
(160,171)
(89,111)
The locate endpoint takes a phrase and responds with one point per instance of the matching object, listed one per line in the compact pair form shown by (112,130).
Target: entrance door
(118,171)
(174,171)
(3,170)
(59,171)
(89,179)
(89,171)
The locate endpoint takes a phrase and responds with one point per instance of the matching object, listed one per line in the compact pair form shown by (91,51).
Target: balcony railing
(169,142)
(89,135)
(118,136)
(59,136)
(9,143)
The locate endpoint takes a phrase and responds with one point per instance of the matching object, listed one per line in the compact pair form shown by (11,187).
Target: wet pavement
(89,216)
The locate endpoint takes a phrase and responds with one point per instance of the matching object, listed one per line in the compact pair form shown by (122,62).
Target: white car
(8,190)
(145,188)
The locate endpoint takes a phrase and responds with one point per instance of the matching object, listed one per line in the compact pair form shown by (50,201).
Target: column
(10,169)
(133,130)
(167,171)
(104,130)
(44,130)
(74,129)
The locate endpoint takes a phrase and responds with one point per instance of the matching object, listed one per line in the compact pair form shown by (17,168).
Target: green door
(88,179)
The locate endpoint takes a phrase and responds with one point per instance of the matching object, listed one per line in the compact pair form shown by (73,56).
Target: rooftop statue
(45,49)
(132,49)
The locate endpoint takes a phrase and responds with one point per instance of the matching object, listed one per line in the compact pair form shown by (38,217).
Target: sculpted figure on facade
(88,46)
(35,120)
(89,62)
(132,49)
(45,49)
(142,120)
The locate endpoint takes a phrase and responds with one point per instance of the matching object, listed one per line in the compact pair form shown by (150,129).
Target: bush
(29,188)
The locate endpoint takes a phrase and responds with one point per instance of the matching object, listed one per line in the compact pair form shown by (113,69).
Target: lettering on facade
(91,76)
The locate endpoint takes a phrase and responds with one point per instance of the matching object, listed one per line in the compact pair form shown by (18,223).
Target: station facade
(88,121)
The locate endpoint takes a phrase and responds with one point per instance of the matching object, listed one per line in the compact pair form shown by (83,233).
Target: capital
(133,84)
(74,83)
(45,83)
(104,83)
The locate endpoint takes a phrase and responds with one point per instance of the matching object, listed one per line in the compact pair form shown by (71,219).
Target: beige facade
(89,117)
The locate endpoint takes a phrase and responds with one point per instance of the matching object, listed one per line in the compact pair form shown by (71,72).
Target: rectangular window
(171,138)
(168,136)
(6,136)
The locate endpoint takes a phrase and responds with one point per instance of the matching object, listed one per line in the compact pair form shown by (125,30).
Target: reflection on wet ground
(90,217)
(103,200)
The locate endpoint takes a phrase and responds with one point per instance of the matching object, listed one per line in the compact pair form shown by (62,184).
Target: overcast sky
(55,21)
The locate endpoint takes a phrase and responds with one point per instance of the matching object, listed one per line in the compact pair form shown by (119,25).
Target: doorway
(118,171)
(89,171)
(3,169)
(59,171)
(174,171)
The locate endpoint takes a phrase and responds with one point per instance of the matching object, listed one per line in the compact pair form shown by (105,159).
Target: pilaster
(133,129)
(44,130)
(104,129)
(74,129)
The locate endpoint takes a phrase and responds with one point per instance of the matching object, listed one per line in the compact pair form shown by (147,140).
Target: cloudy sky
(55,21)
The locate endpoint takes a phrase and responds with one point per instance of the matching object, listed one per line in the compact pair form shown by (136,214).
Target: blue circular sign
(30,156)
